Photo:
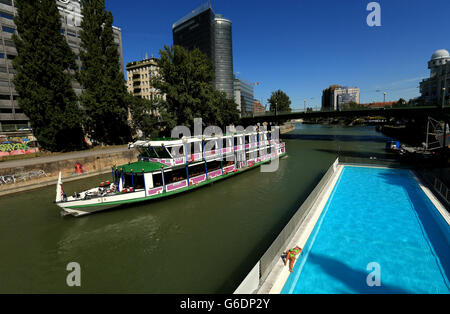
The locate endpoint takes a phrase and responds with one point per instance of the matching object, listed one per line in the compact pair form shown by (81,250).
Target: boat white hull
(81,207)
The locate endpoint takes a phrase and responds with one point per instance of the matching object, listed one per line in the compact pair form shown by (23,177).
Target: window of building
(9,43)
(8,29)
(6,15)
(7,2)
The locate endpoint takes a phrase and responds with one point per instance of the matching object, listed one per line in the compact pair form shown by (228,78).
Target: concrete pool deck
(442,210)
(280,273)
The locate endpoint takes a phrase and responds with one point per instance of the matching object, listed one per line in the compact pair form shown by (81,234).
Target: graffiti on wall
(20,177)
(17,145)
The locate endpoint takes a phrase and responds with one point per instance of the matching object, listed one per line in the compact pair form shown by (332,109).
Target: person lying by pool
(291,255)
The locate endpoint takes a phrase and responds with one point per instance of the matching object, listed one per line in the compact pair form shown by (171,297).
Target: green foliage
(400,103)
(104,95)
(147,116)
(352,105)
(185,78)
(279,101)
(44,65)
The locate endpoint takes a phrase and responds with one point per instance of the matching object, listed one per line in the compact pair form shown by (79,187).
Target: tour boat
(167,167)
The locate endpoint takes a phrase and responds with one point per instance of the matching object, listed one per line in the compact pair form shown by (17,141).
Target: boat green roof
(139,166)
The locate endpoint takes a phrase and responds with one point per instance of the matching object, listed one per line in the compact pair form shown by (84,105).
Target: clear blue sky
(303,46)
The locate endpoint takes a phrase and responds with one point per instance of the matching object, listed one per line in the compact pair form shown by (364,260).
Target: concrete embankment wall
(43,173)
(286,128)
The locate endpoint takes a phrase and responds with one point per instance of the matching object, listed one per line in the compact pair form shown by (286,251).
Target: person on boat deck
(291,255)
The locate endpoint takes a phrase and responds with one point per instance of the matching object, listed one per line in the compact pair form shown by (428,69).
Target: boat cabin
(167,165)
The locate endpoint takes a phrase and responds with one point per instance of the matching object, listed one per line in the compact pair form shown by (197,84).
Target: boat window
(248,156)
(177,151)
(144,152)
(137,179)
(157,180)
(175,175)
(228,163)
(214,165)
(154,152)
(197,170)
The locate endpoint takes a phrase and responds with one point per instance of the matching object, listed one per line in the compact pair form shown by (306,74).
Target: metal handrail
(442,189)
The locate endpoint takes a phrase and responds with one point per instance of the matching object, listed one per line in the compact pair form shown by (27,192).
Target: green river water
(204,241)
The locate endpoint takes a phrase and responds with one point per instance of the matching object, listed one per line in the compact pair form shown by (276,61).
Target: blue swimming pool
(379,227)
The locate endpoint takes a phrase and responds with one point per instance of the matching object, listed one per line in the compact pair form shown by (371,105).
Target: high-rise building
(212,34)
(139,75)
(11,115)
(327,97)
(336,96)
(434,89)
(345,95)
(243,96)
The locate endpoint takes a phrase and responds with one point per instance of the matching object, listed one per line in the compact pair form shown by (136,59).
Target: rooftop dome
(439,54)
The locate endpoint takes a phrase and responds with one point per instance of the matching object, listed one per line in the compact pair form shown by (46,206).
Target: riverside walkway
(60,157)
(31,173)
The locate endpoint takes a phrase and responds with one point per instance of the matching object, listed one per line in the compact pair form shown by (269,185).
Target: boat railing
(214,153)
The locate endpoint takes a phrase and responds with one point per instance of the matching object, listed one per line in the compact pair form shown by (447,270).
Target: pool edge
(279,274)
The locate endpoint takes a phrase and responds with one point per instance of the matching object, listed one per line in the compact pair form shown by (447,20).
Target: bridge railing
(315,110)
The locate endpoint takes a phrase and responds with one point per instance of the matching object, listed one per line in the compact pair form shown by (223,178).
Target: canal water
(204,241)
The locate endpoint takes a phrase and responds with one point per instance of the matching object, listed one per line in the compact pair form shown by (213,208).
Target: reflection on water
(204,241)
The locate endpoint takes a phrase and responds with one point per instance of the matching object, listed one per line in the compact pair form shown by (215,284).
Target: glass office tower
(223,55)
(212,34)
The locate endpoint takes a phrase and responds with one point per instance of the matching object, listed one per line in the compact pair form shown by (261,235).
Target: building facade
(435,89)
(139,76)
(258,108)
(11,115)
(327,97)
(345,95)
(336,96)
(243,96)
(212,34)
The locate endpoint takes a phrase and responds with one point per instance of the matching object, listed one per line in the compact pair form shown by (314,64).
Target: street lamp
(384,99)
(443,97)
(304,105)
